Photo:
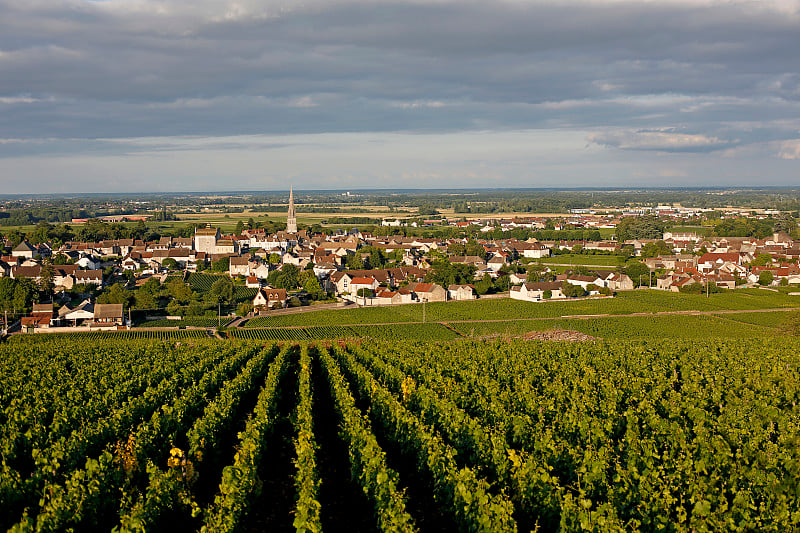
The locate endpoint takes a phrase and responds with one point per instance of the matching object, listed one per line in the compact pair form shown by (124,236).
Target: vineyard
(201,282)
(119,335)
(465,435)
(646,301)
(398,332)
(631,327)
(190,321)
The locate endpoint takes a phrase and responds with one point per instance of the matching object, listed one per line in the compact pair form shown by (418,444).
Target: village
(96,285)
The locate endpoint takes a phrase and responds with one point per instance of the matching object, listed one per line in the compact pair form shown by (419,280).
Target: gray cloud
(670,77)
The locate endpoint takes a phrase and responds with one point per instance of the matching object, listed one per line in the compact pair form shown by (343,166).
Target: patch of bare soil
(558,335)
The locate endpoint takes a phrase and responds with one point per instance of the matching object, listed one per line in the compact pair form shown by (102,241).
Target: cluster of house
(25,261)
(254,254)
(85,314)
(592,283)
(727,263)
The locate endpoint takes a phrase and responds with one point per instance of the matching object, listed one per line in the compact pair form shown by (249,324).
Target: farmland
(464,435)
(612,261)
(645,301)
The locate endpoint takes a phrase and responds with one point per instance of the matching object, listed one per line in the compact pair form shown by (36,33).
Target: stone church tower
(291,221)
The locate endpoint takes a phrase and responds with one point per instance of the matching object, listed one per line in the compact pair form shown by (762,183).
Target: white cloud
(418,104)
(303,101)
(790,149)
(666,141)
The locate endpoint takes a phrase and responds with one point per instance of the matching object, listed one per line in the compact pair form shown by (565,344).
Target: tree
(244,309)
(239,228)
(503,283)
(195,308)
(116,295)
(785,223)
(46,278)
(311,284)
(285,278)
(221,265)
(151,286)
(221,290)
(174,308)
(61,259)
(646,227)
(484,285)
(25,294)
(15,237)
(169,263)
(766,277)
(572,291)
(655,249)
(145,300)
(635,269)
(761,260)
(536,273)
(179,291)
(7,286)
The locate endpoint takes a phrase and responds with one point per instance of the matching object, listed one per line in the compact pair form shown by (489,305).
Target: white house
(460,292)
(535,292)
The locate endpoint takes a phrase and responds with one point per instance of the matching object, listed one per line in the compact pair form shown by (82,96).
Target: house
(29,323)
(261,271)
(533,250)
(84,311)
(385,296)
(516,279)
(24,250)
(359,283)
(89,262)
(428,292)
(41,317)
(712,260)
(108,314)
(585,281)
(89,277)
(496,263)
(205,239)
(473,260)
(31,272)
(619,282)
(130,263)
(461,292)
(226,246)
(270,299)
(535,292)
(239,266)
(252,282)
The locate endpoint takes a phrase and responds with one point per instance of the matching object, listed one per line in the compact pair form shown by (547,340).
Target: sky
(203,95)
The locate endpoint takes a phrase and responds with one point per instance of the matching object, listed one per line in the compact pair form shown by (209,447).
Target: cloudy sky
(195,95)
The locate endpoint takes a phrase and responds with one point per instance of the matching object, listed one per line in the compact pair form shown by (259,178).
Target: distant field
(645,301)
(588,260)
(637,327)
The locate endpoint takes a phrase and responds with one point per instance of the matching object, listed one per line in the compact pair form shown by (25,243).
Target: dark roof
(108,311)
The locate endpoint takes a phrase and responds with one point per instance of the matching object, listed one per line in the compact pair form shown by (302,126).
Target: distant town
(50,283)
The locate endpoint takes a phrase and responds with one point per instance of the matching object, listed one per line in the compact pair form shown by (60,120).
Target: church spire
(291,221)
